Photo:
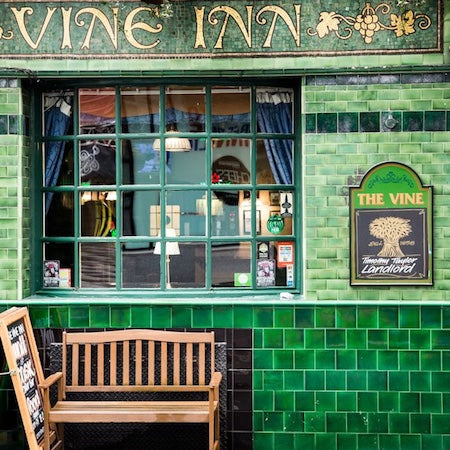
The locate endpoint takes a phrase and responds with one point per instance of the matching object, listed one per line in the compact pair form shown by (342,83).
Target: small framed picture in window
(274,198)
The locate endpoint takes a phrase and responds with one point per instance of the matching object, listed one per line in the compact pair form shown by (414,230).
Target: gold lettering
(20,17)
(97,14)
(129,26)
(404,198)
(371,199)
(280,12)
(199,36)
(66,15)
(231,12)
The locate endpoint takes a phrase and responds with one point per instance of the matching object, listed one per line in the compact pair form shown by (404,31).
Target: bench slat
(163,362)
(126,363)
(113,364)
(189,364)
(75,363)
(201,363)
(100,364)
(176,364)
(87,364)
(151,363)
(138,363)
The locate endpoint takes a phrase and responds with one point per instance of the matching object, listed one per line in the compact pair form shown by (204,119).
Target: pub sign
(391,228)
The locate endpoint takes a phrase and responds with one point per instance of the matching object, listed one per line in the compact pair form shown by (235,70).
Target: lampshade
(172,248)
(173,143)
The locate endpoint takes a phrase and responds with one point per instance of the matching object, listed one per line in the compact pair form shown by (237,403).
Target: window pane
(140,266)
(185,109)
(140,162)
(231,264)
(58,163)
(185,212)
(97,111)
(58,114)
(230,108)
(231,161)
(98,162)
(186,167)
(226,207)
(187,269)
(63,254)
(274,110)
(274,162)
(275,264)
(140,110)
(98,213)
(97,265)
(59,214)
(277,210)
(141,213)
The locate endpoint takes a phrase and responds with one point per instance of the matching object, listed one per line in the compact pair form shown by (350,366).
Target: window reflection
(140,266)
(98,213)
(98,265)
(231,264)
(185,109)
(140,110)
(97,111)
(140,162)
(98,162)
(230,108)
(231,161)
(60,214)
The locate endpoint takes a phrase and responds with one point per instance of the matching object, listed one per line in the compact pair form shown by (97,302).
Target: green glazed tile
(367,401)
(409,360)
(263,400)
(294,380)
(222,317)
(368,441)
(388,317)
(284,401)
(391,121)
(284,439)
(336,422)
(304,359)
(389,441)
(431,402)
(440,382)
(398,423)
(413,121)
(369,122)
(310,123)
(357,422)
(273,338)
(263,359)
(273,421)
(243,316)
(398,381)
(305,401)
(420,339)
(409,402)
(430,360)
(302,441)
(346,359)
(201,317)
(388,360)
(263,440)
(314,338)
(325,401)
(293,421)
(304,318)
(446,360)
(59,317)
(357,380)
(326,122)
(410,442)
(367,317)
(440,339)
(378,422)
(99,316)
(263,317)
(284,318)
(294,338)
(314,380)
(367,359)
(409,317)
(377,339)
(347,442)
(283,359)
(326,441)
(335,338)
(181,317)
(356,339)
(79,316)
(440,424)
(314,422)
(388,401)
(140,317)
(446,310)
(347,122)
(325,317)
(346,317)
(376,380)
(335,380)
(120,317)
(39,316)
(431,317)
(346,401)
(272,379)
(435,121)
(325,359)
(161,317)
(432,442)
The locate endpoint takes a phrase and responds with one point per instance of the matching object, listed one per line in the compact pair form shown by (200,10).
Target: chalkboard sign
(26,371)
(391,227)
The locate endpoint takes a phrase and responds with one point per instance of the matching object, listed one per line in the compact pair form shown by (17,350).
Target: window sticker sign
(391,227)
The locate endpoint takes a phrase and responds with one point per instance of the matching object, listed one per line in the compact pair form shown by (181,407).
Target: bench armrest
(50,380)
(215,380)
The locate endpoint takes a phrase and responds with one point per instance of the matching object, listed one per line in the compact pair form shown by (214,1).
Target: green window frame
(260,232)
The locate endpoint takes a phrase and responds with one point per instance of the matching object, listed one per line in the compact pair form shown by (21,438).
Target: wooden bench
(131,362)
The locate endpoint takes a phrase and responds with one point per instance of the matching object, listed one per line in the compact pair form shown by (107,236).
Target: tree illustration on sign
(390,230)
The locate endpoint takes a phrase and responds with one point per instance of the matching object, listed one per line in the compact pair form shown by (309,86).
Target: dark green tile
(346,401)
(391,121)
(446,360)
(283,359)
(13,126)
(263,359)
(376,380)
(325,359)
(99,316)
(263,400)
(263,440)
(325,317)
(202,317)
(310,123)
(431,402)
(326,123)
(284,401)
(284,317)
(378,422)
(273,421)
(3,124)
(367,401)
(346,359)
(284,439)
(301,441)
(326,441)
(369,122)
(430,360)
(335,338)
(314,338)
(356,339)
(314,422)
(431,317)
(294,380)
(389,441)
(398,339)
(409,317)
(263,317)
(347,122)
(325,401)
(294,338)
(357,422)
(222,317)
(398,423)
(446,310)
(388,360)
(420,381)
(182,317)
(367,317)
(367,359)
(357,380)
(413,121)
(431,442)
(39,316)
(347,441)
(388,401)
(409,360)
(59,317)
(140,317)
(161,317)
(273,379)
(305,401)
(440,424)
(440,339)
(398,381)
(388,317)
(346,317)
(304,359)
(411,442)
(435,121)
(273,338)
(368,441)
(79,316)
(420,339)
(377,339)
(440,382)
(304,318)
(409,402)
(335,380)
(420,423)
(314,380)
(336,422)
(293,421)
(120,317)
(243,316)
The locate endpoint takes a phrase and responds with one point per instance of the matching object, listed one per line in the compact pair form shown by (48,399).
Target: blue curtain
(57,122)
(274,113)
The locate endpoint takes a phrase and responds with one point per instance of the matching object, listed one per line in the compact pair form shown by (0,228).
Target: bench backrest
(126,359)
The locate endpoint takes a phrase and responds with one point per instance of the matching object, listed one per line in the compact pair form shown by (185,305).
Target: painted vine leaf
(327,22)
(403,24)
